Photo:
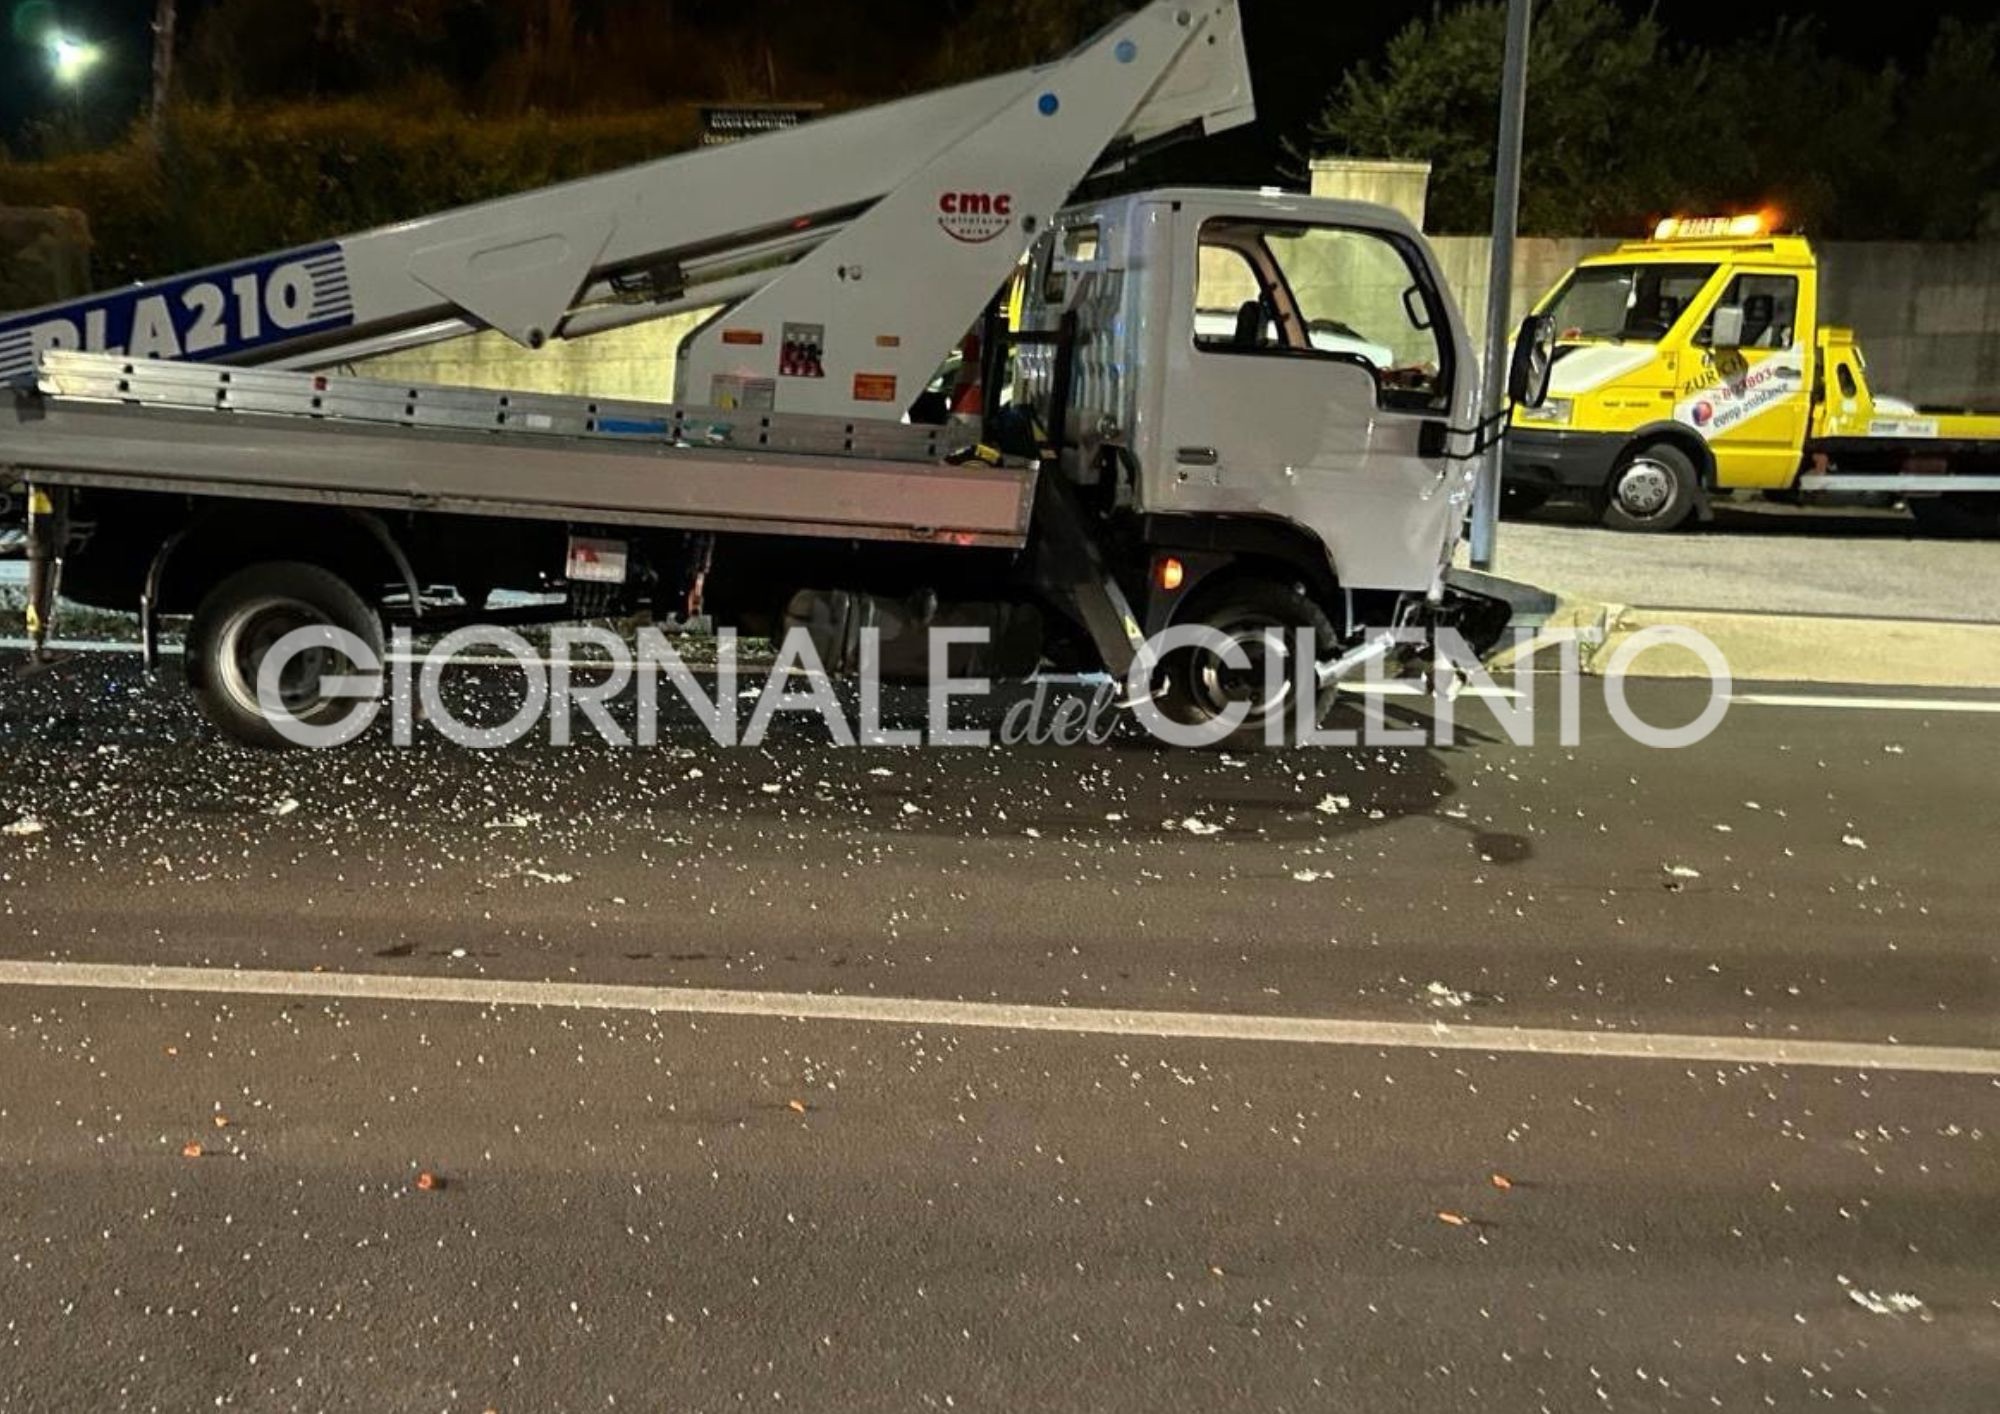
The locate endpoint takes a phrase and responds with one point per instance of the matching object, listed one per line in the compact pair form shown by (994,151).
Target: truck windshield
(1626,303)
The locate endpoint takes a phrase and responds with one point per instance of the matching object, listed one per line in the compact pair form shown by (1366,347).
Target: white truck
(188,447)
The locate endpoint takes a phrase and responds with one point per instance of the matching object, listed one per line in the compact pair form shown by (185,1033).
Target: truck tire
(1958,515)
(1653,489)
(1196,688)
(243,617)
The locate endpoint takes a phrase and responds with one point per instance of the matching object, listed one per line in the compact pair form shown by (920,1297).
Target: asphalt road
(695,1199)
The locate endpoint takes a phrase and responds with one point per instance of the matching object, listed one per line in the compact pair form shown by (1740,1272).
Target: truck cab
(1684,365)
(1696,364)
(1284,366)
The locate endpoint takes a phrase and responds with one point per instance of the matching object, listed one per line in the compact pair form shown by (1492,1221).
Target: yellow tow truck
(1694,365)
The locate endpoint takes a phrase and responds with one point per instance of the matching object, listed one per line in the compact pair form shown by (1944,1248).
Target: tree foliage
(226,183)
(1623,126)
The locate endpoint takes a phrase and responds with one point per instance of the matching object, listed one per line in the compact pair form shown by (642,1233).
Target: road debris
(1896,1303)
(22,828)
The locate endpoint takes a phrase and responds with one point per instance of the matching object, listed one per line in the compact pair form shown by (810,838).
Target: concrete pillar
(1404,186)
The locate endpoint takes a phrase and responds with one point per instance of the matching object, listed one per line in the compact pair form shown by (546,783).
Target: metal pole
(1500,278)
(163,61)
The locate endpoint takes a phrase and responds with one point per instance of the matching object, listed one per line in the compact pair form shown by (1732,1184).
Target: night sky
(123,28)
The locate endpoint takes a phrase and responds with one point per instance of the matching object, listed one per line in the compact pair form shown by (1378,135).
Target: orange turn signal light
(1172,573)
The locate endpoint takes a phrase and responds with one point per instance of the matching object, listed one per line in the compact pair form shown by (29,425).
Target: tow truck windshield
(1625,303)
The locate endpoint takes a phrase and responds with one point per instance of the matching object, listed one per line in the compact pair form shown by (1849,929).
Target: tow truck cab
(1695,363)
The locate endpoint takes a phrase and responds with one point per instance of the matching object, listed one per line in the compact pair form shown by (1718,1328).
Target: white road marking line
(1081,1021)
(1868,704)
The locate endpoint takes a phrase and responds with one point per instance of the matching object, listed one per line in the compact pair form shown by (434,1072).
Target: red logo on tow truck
(975,217)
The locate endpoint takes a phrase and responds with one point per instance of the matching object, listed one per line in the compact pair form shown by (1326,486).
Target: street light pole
(1500,277)
(163,62)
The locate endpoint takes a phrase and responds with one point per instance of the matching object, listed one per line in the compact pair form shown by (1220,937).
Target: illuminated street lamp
(72,58)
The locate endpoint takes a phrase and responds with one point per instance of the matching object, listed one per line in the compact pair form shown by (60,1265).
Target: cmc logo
(1704,413)
(975,217)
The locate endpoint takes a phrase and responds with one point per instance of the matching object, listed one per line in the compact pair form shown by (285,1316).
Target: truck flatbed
(103,421)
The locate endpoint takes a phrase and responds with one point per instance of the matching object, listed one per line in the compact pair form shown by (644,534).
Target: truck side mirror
(1727,327)
(1534,361)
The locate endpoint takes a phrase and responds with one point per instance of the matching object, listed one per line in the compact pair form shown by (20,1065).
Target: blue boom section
(214,316)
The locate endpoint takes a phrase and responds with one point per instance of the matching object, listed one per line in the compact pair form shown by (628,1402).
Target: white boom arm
(856,250)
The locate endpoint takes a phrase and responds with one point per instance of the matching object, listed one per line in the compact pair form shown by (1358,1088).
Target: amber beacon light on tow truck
(1709,228)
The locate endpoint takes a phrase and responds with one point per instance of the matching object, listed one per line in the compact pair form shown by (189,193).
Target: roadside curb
(1780,647)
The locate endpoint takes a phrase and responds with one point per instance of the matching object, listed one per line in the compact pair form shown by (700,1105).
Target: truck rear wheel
(1653,490)
(1958,515)
(1262,617)
(247,615)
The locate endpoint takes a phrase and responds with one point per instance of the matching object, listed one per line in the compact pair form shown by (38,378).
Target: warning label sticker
(733,392)
(803,354)
(875,387)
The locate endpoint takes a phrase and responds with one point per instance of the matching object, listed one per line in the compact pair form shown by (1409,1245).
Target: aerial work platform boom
(856,250)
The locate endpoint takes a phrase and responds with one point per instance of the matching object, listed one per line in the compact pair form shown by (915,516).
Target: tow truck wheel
(1653,490)
(247,615)
(1263,618)
(1960,515)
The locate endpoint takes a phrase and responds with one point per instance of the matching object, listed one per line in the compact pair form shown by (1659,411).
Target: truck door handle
(1198,456)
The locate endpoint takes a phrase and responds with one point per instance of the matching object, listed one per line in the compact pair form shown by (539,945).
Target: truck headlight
(1554,411)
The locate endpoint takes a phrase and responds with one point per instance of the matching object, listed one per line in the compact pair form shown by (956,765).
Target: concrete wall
(1928,315)
(44,256)
(636,363)
(1401,186)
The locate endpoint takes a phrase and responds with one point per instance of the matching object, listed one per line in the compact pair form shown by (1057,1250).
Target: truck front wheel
(247,615)
(1263,618)
(1653,490)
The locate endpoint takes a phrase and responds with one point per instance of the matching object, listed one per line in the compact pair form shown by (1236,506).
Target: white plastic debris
(22,828)
(1308,876)
(1448,998)
(1682,871)
(1896,1303)
(1194,826)
(1854,841)
(283,807)
(1333,804)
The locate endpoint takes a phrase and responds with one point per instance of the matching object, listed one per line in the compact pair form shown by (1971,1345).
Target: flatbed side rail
(153,436)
